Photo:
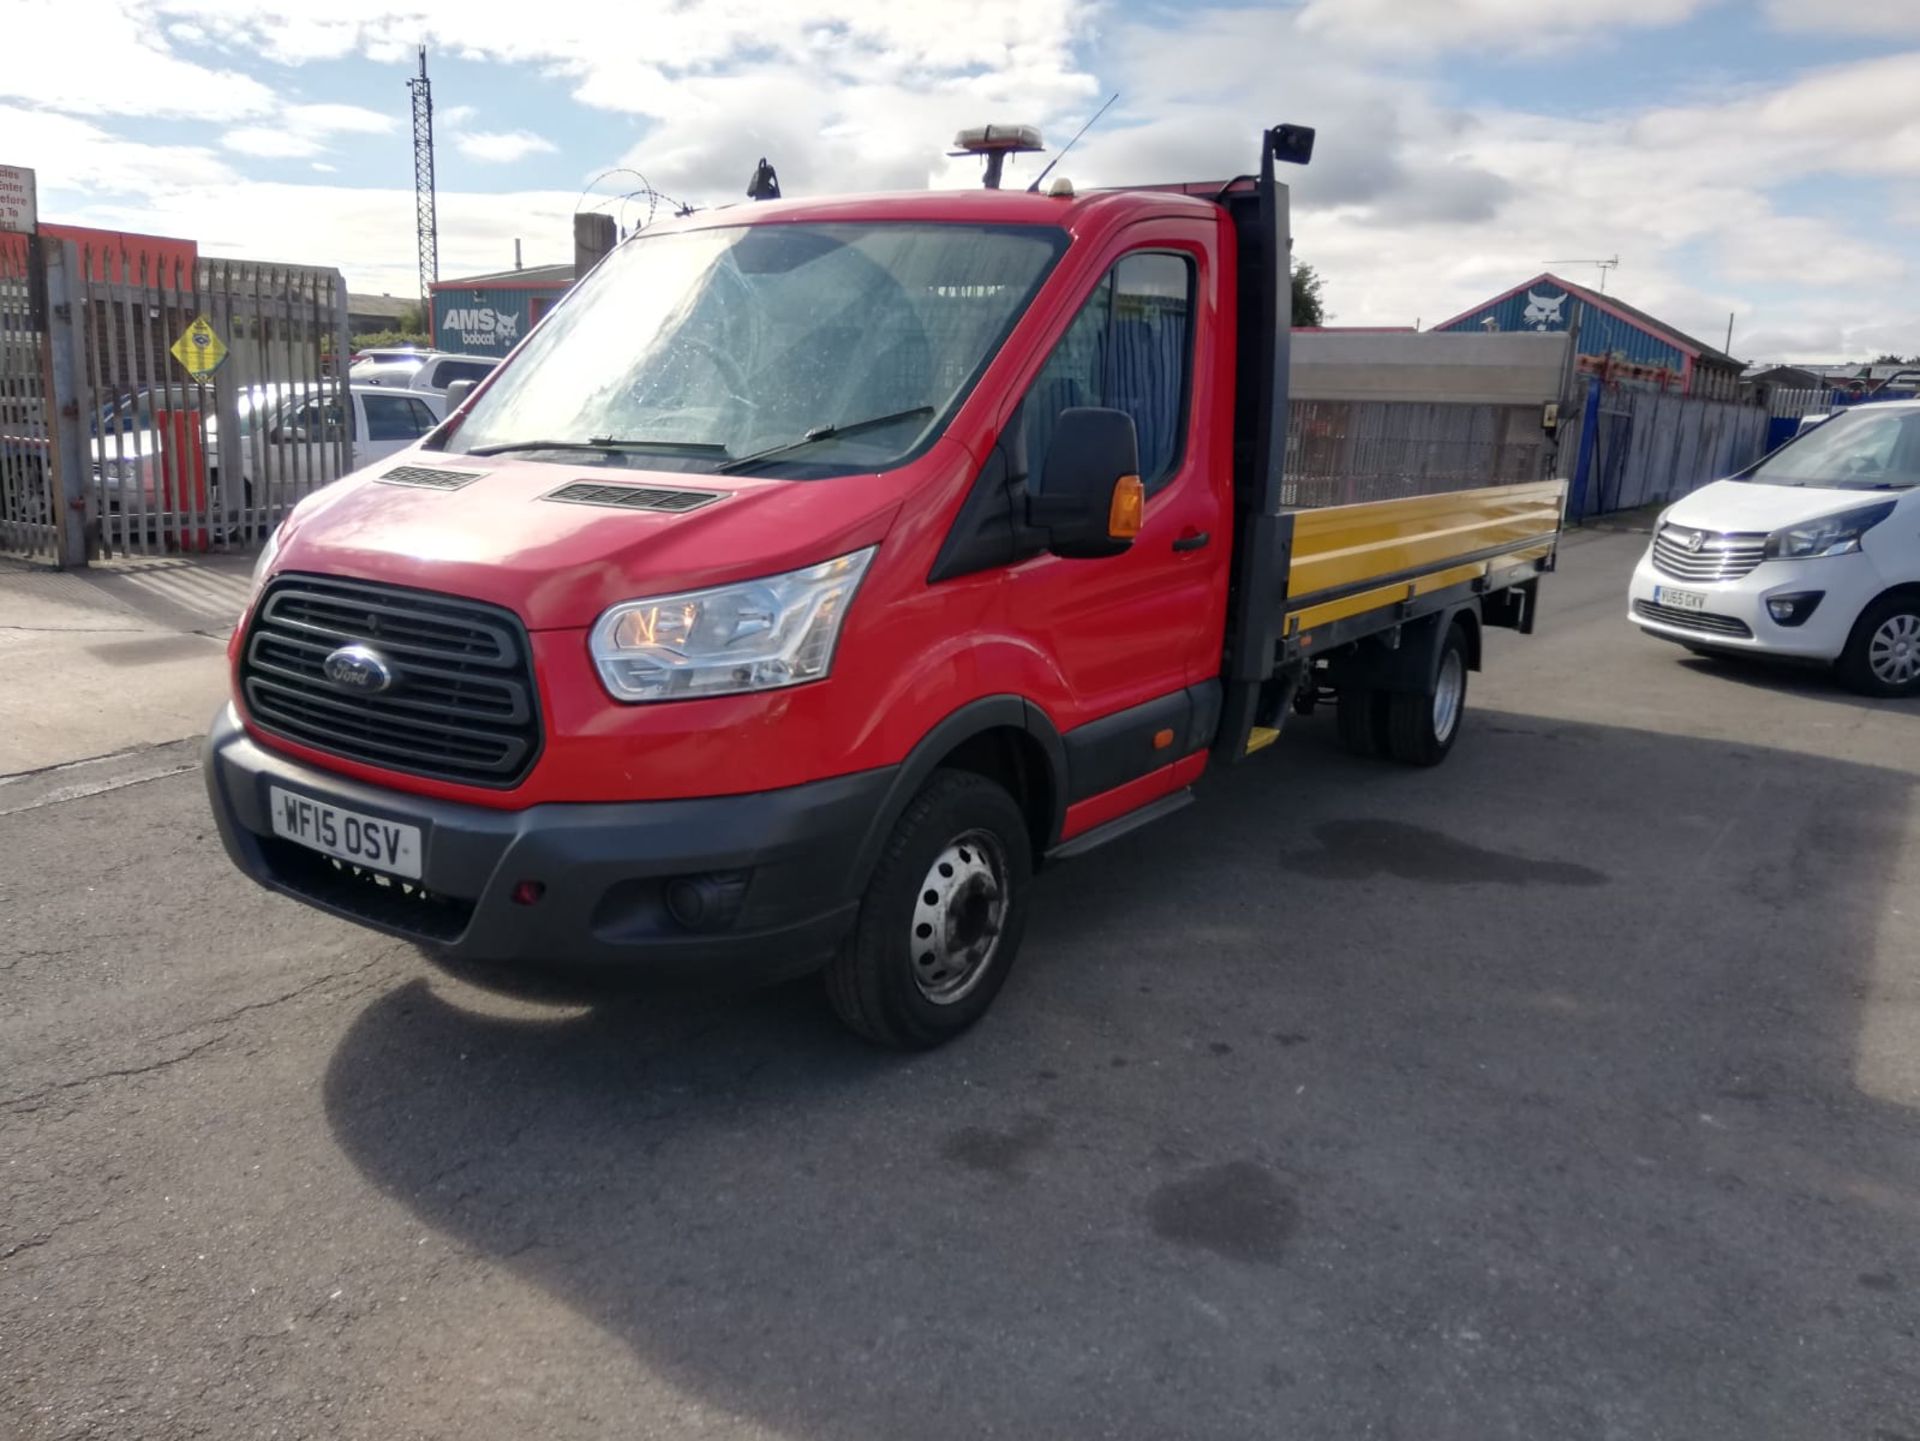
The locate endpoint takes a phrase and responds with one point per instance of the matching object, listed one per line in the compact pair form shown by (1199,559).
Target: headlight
(758,635)
(1830,535)
(263,567)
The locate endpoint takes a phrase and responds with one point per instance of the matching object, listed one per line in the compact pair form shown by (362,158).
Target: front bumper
(1845,583)
(786,856)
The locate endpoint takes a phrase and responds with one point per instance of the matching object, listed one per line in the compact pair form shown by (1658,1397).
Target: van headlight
(756,635)
(1830,535)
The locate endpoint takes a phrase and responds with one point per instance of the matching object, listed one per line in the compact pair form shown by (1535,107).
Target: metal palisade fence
(26,494)
(181,405)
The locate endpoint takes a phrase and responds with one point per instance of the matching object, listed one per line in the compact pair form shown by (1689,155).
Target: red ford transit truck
(816,571)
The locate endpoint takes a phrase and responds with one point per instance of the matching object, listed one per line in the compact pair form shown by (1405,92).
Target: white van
(298,452)
(1812,554)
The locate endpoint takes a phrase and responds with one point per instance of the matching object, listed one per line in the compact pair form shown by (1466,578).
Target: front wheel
(1421,727)
(1882,657)
(942,917)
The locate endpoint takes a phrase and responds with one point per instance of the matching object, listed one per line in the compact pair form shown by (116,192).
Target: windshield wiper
(823,432)
(606,445)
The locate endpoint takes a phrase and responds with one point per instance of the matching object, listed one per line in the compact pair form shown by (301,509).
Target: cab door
(1129,634)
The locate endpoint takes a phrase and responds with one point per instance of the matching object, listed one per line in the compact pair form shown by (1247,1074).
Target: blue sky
(1753,157)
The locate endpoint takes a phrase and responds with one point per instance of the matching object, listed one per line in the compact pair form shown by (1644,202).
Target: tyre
(942,918)
(1882,657)
(1421,727)
(1362,720)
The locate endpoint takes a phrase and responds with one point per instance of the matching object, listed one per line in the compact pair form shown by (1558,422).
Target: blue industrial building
(1615,339)
(488,314)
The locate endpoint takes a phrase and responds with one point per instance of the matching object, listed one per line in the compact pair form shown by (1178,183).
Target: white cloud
(1862,118)
(1891,18)
(323,167)
(76,158)
(501,147)
(300,131)
(366,232)
(1413,209)
(1416,205)
(269,142)
(101,57)
(340,119)
(1506,25)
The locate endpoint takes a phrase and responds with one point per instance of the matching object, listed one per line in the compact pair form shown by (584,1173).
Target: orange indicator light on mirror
(1128,508)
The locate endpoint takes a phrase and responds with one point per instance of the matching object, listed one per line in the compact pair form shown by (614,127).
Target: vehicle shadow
(1816,682)
(1558,1092)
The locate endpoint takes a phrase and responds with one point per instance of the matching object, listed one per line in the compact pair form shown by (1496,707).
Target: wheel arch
(1467,617)
(1412,665)
(1007,739)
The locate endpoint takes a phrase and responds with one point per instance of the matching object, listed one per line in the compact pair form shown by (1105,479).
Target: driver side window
(1129,348)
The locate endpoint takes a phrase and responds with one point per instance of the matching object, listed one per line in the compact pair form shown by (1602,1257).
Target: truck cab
(815,572)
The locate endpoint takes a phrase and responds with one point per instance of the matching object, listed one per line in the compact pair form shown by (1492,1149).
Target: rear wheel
(1362,719)
(942,917)
(1882,657)
(1421,728)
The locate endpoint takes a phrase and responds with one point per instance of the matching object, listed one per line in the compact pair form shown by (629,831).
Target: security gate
(193,403)
(26,492)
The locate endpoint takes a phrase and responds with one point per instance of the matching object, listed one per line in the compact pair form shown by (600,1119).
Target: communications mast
(426,223)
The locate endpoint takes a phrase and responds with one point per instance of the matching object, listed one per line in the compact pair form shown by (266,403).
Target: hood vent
(633,497)
(426,478)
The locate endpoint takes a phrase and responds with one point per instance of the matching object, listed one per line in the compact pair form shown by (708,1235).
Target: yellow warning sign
(199,349)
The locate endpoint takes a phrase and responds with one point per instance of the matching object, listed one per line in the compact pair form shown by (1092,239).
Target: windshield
(706,348)
(1863,449)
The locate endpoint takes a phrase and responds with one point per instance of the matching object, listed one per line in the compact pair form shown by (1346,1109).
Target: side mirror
(458,392)
(1090,501)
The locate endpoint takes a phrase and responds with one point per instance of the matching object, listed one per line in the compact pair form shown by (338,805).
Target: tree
(1307,306)
(1891,359)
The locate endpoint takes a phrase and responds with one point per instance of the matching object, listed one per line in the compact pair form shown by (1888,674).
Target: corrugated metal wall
(1650,447)
(1548,308)
(490,321)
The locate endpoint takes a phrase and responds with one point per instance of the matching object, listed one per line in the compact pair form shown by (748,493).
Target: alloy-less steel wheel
(941,919)
(1422,726)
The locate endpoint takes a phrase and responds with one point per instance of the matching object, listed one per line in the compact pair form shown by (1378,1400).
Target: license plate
(1678,599)
(347,835)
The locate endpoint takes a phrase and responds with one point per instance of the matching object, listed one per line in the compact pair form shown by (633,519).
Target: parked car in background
(427,370)
(386,354)
(1811,554)
(299,446)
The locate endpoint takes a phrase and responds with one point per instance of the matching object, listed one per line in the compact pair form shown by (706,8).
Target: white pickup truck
(1812,554)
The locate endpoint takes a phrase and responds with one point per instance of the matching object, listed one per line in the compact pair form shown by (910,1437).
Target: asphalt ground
(1566,1091)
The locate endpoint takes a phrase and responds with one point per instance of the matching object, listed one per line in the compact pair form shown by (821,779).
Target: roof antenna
(1071,143)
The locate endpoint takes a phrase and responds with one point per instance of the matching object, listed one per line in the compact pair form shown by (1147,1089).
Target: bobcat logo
(1543,311)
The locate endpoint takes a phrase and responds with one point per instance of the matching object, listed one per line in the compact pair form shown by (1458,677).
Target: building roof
(533,277)
(119,255)
(389,306)
(1699,349)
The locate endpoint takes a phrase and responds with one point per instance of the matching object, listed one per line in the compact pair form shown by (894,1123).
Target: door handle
(1192,540)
